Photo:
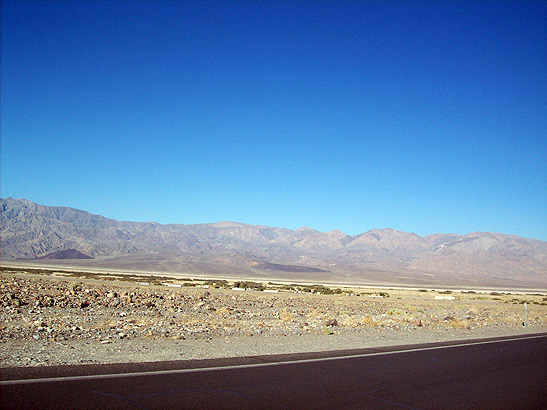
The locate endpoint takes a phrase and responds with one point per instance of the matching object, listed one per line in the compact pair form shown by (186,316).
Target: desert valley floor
(55,318)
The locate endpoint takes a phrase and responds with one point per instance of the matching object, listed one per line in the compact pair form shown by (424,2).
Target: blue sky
(422,116)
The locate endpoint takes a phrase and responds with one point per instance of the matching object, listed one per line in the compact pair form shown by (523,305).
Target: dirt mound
(67,254)
(288,268)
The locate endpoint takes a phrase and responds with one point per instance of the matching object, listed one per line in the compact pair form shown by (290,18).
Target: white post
(524,313)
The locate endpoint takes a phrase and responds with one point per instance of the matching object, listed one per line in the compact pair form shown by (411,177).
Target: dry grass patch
(356,321)
(458,323)
(286,316)
(224,311)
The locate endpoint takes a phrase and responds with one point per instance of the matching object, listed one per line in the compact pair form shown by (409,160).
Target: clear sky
(422,116)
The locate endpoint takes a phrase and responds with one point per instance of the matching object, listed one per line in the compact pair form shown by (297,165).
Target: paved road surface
(504,373)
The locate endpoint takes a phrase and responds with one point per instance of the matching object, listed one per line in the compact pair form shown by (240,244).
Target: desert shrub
(286,316)
(249,285)
(324,290)
(459,323)
(216,283)
(222,311)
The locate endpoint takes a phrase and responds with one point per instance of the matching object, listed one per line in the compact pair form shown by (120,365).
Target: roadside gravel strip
(258,361)
(51,321)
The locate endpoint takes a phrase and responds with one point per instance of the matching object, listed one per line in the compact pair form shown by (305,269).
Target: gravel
(51,321)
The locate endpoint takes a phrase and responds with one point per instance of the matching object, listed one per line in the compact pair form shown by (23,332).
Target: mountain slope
(31,230)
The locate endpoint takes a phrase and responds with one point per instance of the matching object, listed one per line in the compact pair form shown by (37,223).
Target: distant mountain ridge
(30,230)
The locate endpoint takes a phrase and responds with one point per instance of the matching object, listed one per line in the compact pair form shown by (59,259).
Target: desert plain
(60,317)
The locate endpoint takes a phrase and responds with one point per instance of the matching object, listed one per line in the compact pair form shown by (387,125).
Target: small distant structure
(445,297)
(173,285)
(240,289)
(379,295)
(271,290)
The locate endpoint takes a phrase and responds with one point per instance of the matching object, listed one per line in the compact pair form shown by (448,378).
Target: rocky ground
(48,320)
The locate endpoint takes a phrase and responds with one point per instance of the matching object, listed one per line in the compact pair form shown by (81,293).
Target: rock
(331,322)
(148,303)
(418,323)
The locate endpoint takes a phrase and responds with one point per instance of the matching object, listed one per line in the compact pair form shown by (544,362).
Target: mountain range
(74,237)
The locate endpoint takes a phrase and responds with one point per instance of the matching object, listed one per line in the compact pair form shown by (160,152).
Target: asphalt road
(504,373)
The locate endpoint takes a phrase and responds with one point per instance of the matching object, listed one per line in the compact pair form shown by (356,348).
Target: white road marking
(253,365)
